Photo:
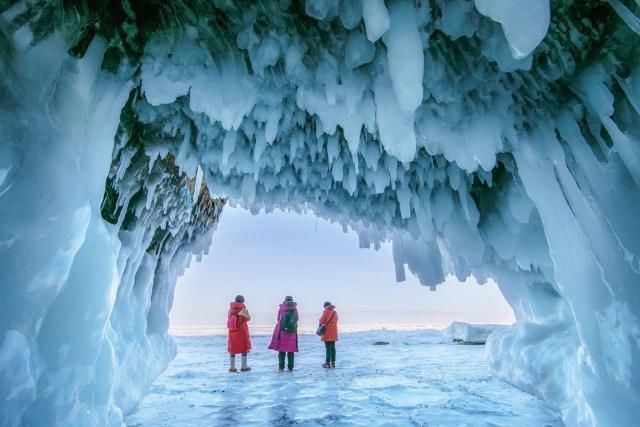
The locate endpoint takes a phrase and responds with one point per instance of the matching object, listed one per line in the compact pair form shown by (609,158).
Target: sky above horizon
(267,256)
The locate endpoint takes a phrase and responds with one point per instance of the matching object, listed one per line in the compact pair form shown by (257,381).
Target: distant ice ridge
(466,333)
(477,138)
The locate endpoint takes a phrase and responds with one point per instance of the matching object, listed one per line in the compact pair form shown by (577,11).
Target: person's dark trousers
(330,351)
(290,359)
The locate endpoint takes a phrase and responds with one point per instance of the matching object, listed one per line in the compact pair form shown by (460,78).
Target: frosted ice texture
(475,143)
(524,22)
(449,385)
(466,333)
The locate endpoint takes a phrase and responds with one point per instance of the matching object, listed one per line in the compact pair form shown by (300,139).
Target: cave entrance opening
(267,256)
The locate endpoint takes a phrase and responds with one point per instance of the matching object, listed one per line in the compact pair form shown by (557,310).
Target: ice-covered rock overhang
(499,138)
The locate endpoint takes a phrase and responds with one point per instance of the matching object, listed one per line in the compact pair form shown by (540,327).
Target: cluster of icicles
(472,135)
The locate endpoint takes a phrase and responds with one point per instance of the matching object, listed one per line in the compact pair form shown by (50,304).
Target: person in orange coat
(239,339)
(329,318)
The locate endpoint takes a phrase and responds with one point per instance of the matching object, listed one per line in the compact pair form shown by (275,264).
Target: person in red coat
(239,340)
(329,319)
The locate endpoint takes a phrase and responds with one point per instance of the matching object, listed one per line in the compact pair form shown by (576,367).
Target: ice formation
(466,333)
(493,138)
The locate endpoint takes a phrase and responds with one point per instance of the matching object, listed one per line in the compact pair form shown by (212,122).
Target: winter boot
(333,364)
(232,363)
(326,365)
(244,367)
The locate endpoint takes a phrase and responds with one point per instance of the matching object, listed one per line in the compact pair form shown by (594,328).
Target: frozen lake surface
(417,379)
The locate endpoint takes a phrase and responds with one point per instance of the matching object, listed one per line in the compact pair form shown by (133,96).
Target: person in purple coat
(285,334)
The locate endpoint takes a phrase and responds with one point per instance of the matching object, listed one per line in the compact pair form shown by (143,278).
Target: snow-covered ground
(418,378)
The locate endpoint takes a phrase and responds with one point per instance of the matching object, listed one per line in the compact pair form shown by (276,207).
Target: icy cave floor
(417,379)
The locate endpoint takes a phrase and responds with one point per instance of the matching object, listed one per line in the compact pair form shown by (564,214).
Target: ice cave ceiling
(499,138)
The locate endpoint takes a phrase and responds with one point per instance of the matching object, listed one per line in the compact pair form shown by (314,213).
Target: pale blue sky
(267,256)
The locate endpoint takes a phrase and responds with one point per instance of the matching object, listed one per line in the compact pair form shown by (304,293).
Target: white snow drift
(499,139)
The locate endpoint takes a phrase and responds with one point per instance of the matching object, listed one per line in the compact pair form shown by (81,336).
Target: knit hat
(327,304)
(240,298)
(288,299)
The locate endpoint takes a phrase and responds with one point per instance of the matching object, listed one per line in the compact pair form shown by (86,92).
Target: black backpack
(289,323)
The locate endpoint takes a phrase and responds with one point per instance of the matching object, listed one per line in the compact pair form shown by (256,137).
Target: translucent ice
(376,18)
(500,140)
(404,55)
(524,22)
(466,333)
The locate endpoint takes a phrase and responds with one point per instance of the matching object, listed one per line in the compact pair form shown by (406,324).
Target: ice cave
(498,138)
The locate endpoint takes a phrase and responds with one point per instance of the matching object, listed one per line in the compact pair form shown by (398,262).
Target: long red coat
(239,340)
(330,318)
